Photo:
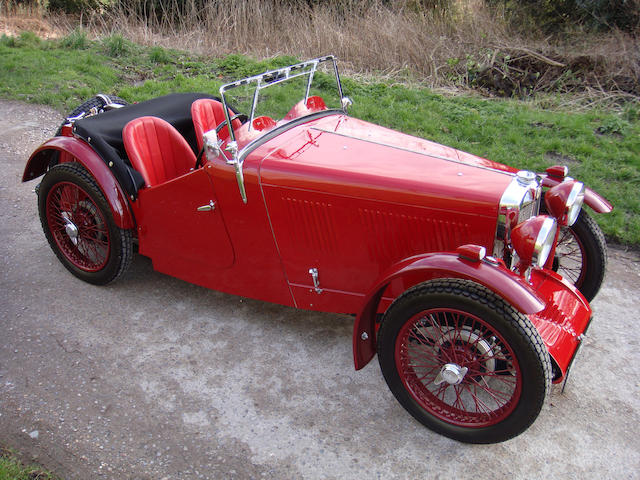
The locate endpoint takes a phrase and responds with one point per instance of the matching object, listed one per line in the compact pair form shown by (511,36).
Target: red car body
(340,216)
(357,222)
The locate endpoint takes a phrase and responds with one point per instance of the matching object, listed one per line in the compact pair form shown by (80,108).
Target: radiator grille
(527,211)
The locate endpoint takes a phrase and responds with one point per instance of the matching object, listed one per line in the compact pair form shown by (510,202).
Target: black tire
(79,225)
(508,365)
(95,102)
(581,255)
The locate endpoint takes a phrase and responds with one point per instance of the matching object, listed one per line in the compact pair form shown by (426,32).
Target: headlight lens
(564,201)
(576,199)
(533,240)
(544,241)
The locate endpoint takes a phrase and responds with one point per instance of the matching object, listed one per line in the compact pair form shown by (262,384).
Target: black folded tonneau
(104,131)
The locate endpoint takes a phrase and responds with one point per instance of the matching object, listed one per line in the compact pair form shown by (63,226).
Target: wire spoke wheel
(463,361)
(458,367)
(570,260)
(79,225)
(581,254)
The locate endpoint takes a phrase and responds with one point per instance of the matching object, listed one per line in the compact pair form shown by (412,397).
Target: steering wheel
(240,116)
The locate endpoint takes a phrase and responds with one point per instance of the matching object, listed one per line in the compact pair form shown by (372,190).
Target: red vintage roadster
(468,278)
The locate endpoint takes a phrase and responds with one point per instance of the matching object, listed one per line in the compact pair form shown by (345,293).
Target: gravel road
(153,378)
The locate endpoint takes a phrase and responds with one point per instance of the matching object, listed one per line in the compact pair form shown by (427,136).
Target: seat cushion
(157,150)
(104,132)
(207,114)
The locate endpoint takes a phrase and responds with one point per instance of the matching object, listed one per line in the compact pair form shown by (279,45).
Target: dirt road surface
(153,378)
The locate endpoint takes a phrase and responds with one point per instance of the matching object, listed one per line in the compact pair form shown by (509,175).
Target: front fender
(73,149)
(593,199)
(514,289)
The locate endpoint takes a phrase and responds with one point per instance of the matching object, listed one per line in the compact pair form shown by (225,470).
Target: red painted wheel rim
(570,257)
(490,389)
(78,227)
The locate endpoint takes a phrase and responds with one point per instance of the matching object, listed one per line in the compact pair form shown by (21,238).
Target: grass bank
(12,469)
(601,147)
(452,43)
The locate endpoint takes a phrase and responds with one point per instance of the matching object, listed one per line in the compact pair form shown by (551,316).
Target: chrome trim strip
(339,83)
(308,89)
(254,104)
(404,149)
(249,147)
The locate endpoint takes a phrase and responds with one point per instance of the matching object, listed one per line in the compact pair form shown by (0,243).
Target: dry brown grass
(27,20)
(369,38)
(469,45)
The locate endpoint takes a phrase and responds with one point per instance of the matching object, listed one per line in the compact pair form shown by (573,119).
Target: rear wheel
(463,362)
(79,226)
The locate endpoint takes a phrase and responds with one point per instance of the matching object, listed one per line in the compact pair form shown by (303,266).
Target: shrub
(159,55)
(7,41)
(117,45)
(24,39)
(29,39)
(614,126)
(556,15)
(76,40)
(77,6)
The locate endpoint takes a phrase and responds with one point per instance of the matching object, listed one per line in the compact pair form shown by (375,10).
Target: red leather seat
(207,114)
(157,150)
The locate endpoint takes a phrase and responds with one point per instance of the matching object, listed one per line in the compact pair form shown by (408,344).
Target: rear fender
(514,289)
(68,149)
(593,199)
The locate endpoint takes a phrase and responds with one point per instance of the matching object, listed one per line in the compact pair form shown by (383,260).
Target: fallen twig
(534,54)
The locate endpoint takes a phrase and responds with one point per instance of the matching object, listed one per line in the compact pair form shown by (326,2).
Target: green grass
(76,40)
(12,469)
(601,147)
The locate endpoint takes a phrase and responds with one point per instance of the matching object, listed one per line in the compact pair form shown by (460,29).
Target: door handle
(207,208)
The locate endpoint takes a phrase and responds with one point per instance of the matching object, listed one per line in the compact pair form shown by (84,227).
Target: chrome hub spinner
(452,374)
(478,348)
(70,228)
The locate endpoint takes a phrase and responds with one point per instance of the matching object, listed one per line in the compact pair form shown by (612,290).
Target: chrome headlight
(533,240)
(576,199)
(544,241)
(564,201)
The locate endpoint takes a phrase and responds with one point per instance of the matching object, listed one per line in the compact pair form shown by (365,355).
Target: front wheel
(79,226)
(463,362)
(581,255)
